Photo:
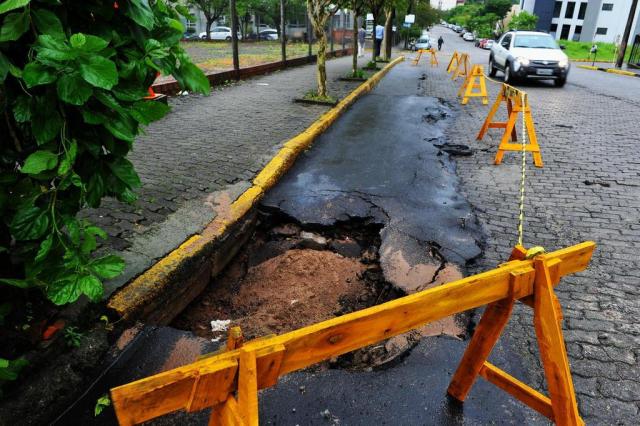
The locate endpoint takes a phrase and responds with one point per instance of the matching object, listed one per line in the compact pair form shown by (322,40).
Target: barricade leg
(487,333)
(552,348)
(509,132)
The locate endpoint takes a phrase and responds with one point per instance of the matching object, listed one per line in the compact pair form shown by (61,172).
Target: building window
(577,32)
(553,28)
(571,7)
(601,31)
(556,9)
(607,6)
(564,35)
(582,11)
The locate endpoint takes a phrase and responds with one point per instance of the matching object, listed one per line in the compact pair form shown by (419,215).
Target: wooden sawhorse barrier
(453,62)
(517,102)
(433,60)
(228,382)
(417,58)
(463,67)
(474,81)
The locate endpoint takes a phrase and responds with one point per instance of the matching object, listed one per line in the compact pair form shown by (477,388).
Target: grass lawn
(216,56)
(581,49)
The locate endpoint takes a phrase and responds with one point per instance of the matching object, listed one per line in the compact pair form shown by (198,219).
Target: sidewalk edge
(162,291)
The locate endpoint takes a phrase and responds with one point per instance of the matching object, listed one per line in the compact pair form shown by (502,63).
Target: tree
(357,8)
(523,21)
(212,11)
(499,8)
(320,11)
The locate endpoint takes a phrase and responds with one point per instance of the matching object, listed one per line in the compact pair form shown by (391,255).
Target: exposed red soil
(291,290)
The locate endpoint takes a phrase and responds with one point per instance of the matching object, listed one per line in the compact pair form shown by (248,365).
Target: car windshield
(535,41)
(423,40)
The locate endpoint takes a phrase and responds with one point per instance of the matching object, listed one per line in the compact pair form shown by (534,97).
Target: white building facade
(583,20)
(445,4)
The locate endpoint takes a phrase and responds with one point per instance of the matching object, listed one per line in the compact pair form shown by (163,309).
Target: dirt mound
(296,288)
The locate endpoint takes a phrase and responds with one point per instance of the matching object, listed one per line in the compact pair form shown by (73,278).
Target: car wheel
(560,82)
(492,68)
(228,38)
(508,78)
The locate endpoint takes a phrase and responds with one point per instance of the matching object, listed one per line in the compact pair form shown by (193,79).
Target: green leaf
(22,109)
(92,287)
(73,229)
(140,13)
(94,44)
(108,266)
(47,22)
(45,248)
(73,90)
(9,369)
(94,230)
(38,162)
(64,290)
(4,67)
(35,74)
(54,49)
(16,283)
(146,112)
(184,11)
(101,403)
(46,122)
(69,158)
(12,4)
(124,170)
(77,40)
(95,190)
(122,128)
(193,78)
(29,223)
(99,72)
(13,26)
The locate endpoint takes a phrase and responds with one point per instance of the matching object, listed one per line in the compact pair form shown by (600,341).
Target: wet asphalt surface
(379,161)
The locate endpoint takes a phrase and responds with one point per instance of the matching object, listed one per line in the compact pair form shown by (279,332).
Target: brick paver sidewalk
(203,154)
(589,189)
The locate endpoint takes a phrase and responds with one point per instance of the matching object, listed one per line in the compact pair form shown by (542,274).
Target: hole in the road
(289,276)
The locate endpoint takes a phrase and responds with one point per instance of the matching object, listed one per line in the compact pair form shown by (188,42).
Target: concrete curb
(609,70)
(164,290)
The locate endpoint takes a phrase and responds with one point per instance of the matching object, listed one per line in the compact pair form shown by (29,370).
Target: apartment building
(445,4)
(583,20)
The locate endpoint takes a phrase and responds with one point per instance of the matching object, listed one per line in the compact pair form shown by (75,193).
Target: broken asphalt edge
(166,288)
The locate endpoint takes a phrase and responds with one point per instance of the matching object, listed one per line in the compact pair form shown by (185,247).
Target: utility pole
(234,36)
(283,34)
(627,32)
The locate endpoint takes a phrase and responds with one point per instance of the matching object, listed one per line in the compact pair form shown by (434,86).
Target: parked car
(468,37)
(219,33)
(422,43)
(529,54)
(268,34)
(190,36)
(488,44)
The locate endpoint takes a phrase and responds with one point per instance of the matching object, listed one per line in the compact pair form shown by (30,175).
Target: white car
(423,43)
(529,54)
(468,37)
(219,33)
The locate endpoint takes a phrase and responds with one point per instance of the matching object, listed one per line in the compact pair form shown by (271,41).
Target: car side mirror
(562,47)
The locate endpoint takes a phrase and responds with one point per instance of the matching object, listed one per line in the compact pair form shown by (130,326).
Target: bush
(73,76)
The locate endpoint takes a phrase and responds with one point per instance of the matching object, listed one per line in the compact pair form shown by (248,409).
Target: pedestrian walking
(440,42)
(378,38)
(361,35)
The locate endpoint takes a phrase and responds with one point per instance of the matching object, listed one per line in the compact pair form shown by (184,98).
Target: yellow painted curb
(621,72)
(143,289)
(588,67)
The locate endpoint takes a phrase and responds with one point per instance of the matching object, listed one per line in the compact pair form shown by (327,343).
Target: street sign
(406,25)
(410,19)
(369,16)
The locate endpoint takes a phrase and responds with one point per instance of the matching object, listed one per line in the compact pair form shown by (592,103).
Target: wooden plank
(248,388)
(517,389)
(219,376)
(552,349)
(269,366)
(339,335)
(226,414)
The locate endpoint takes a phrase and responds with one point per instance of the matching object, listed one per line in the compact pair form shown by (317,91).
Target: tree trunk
(354,56)
(373,37)
(283,33)
(234,35)
(208,27)
(388,33)
(322,57)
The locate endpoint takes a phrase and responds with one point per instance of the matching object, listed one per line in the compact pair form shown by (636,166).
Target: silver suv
(529,54)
